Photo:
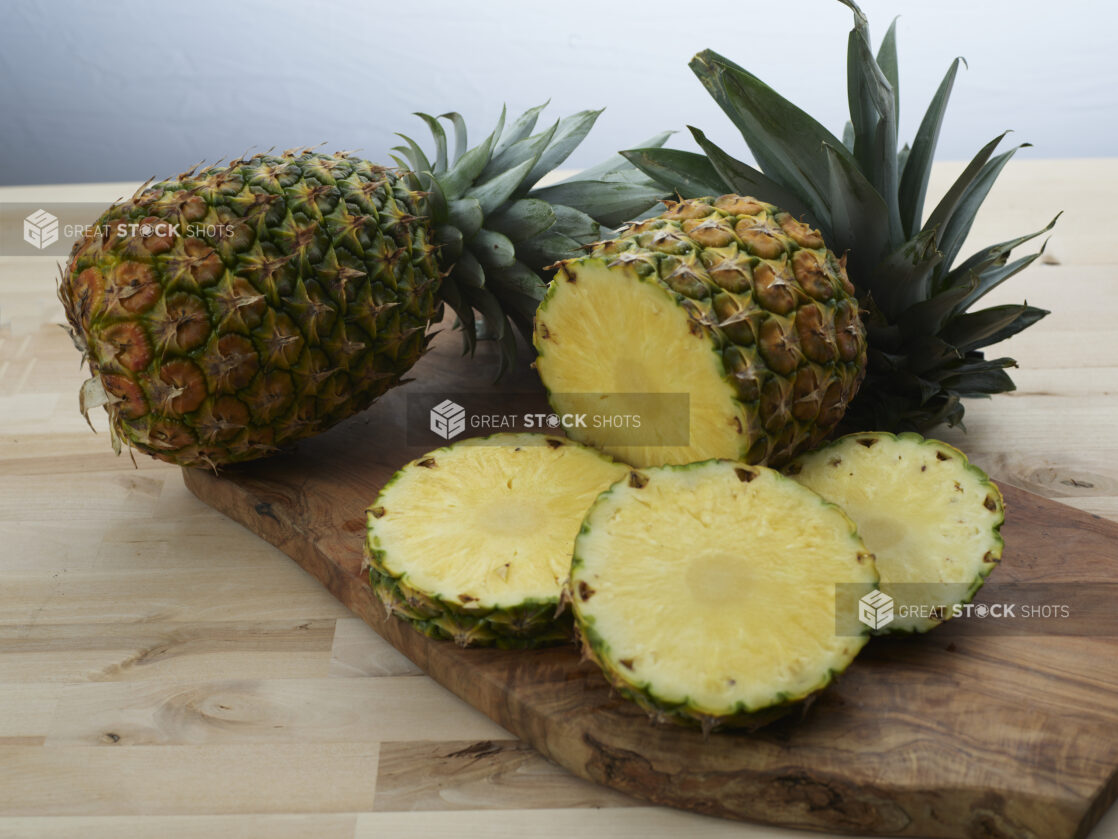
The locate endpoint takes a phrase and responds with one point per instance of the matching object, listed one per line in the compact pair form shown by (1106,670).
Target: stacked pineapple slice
(473,542)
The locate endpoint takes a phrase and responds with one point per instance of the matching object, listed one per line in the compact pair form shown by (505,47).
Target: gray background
(124,90)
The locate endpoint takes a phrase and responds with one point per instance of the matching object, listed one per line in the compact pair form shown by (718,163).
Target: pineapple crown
(867,197)
(497,229)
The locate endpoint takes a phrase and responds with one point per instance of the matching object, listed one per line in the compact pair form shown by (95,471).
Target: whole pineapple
(231,311)
(305,295)
(728,299)
(866,194)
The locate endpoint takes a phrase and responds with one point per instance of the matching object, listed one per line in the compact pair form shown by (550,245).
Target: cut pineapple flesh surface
(664,352)
(930,518)
(481,528)
(708,592)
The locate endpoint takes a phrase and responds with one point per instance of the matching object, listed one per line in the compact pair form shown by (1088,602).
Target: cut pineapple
(728,300)
(931,519)
(473,542)
(707,593)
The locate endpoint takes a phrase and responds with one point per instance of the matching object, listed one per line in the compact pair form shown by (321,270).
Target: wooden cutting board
(999,737)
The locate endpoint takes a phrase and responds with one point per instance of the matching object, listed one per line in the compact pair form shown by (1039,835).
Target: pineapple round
(228,312)
(707,593)
(473,542)
(728,299)
(931,519)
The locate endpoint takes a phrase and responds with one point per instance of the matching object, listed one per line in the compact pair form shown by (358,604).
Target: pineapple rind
(531,621)
(773,302)
(980,565)
(531,624)
(687,710)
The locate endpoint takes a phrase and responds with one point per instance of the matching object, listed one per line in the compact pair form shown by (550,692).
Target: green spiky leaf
(859,216)
(461,140)
(576,224)
(527,149)
(947,205)
(495,192)
(495,320)
(571,131)
(495,235)
(617,164)
(415,156)
(929,316)
(918,164)
(493,250)
(521,127)
(745,180)
(868,199)
(955,230)
(903,278)
(872,113)
(467,215)
(887,61)
(522,219)
(612,203)
(468,271)
(786,142)
(692,174)
(449,239)
(548,248)
(979,383)
(436,201)
(990,326)
(522,280)
(471,164)
(440,141)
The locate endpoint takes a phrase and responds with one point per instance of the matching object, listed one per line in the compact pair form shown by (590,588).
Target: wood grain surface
(112,573)
(955,737)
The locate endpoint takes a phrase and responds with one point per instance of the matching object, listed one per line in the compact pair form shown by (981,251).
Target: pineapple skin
(774,303)
(228,312)
(529,624)
(597,649)
(943,452)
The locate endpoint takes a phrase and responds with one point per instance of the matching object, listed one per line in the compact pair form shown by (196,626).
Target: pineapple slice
(707,593)
(931,519)
(473,542)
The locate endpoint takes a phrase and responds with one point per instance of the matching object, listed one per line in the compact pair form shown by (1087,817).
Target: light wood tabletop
(164,672)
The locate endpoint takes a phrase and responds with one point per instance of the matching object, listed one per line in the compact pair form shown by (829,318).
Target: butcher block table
(165,672)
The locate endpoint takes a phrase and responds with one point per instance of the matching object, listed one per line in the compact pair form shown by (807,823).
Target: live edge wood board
(999,737)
